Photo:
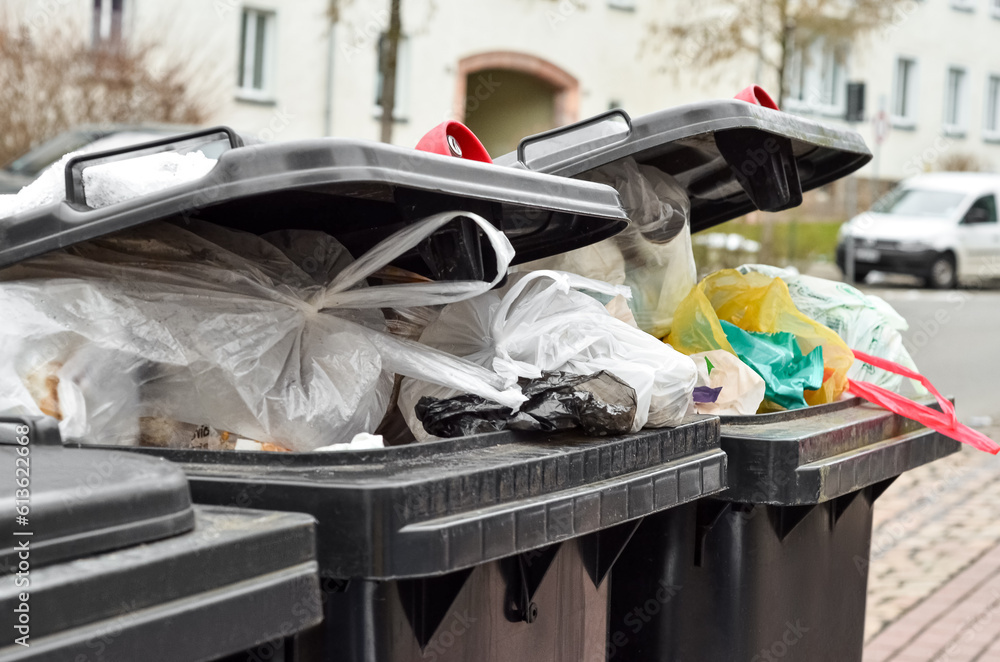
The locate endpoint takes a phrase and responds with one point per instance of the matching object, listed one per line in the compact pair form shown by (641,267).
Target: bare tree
(770,31)
(389,60)
(55,79)
(961,162)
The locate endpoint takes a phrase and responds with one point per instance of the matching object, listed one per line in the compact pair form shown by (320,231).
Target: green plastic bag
(776,357)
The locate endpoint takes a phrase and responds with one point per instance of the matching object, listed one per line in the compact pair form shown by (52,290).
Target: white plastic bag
(865,322)
(742,388)
(272,340)
(653,256)
(542,322)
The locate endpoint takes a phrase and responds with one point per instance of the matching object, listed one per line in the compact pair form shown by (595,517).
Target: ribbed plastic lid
(82,502)
(358,191)
(732,157)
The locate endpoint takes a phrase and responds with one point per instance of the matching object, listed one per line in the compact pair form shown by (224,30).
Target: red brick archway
(567,87)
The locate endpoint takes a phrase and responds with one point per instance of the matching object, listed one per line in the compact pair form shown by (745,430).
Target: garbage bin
(494,546)
(776,566)
(107,560)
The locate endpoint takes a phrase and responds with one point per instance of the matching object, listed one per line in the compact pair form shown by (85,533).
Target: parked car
(24,169)
(941,227)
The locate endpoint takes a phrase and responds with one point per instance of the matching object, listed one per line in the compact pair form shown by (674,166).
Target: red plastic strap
(944,421)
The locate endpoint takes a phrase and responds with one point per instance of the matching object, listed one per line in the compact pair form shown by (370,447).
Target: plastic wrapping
(543,322)
(172,329)
(653,256)
(600,404)
(865,322)
(776,357)
(757,303)
(742,388)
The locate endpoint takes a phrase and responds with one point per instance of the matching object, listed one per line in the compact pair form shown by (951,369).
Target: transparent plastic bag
(653,256)
(865,322)
(544,322)
(275,340)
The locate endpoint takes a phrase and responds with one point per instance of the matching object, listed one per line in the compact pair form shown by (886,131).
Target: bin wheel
(942,275)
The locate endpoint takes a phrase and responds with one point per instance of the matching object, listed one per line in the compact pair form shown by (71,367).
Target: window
(107,22)
(904,97)
(955,101)
(991,124)
(983,210)
(256,54)
(401,106)
(817,79)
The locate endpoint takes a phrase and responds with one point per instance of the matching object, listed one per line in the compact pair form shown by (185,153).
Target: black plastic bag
(600,404)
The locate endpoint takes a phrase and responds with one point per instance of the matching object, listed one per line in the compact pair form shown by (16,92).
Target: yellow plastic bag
(755,302)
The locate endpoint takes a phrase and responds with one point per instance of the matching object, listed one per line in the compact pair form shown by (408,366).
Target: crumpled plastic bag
(272,339)
(760,304)
(742,389)
(653,256)
(776,357)
(544,322)
(865,322)
(600,404)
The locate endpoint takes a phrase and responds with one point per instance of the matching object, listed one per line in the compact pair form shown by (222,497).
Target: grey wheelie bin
(776,566)
(105,558)
(487,547)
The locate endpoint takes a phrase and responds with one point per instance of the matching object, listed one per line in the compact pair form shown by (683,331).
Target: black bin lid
(82,502)
(358,191)
(731,157)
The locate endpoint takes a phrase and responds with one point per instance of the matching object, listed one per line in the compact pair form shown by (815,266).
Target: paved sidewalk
(934,579)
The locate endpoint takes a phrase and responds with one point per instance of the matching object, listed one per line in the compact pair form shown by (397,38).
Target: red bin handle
(454,139)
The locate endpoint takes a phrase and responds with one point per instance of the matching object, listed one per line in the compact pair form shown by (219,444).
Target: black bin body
(775,567)
(112,563)
(490,547)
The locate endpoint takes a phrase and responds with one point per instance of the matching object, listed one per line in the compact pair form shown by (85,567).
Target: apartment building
(285,69)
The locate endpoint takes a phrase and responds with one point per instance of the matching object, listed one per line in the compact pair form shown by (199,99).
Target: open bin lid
(730,156)
(83,502)
(358,191)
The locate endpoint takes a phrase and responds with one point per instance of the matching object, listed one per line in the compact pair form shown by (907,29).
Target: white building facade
(509,68)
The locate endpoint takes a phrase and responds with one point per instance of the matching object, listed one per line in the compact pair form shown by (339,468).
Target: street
(934,577)
(953,340)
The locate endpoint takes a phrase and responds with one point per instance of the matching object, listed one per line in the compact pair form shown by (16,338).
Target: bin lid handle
(74,167)
(570,128)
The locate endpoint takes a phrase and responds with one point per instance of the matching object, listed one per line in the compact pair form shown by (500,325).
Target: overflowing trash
(652,257)
(545,321)
(198,336)
(759,304)
(599,404)
(865,322)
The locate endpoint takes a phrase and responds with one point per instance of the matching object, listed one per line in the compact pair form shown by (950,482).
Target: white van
(941,227)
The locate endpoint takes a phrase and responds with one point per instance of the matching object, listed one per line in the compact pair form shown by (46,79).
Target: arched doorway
(503,96)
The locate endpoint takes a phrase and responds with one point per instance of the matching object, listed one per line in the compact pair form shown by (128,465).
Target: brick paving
(934,579)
